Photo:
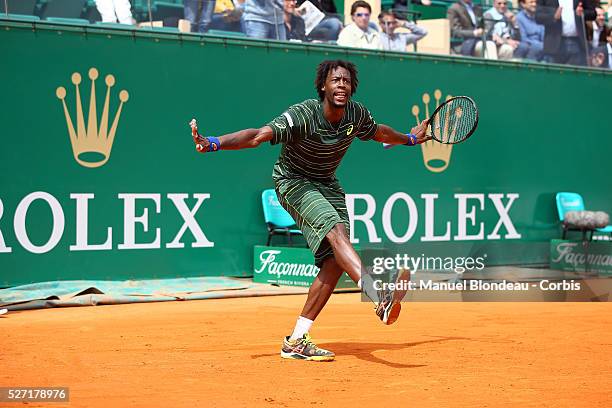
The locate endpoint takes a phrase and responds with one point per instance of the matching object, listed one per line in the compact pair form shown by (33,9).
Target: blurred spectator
(329,28)
(359,34)
(532,33)
(264,19)
(199,13)
(294,25)
(501,27)
(227,15)
(466,24)
(113,11)
(564,29)
(392,41)
(596,30)
(601,57)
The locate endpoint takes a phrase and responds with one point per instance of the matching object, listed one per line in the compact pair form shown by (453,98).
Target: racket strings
(455,120)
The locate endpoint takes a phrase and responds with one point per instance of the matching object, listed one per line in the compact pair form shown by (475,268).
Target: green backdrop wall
(543,129)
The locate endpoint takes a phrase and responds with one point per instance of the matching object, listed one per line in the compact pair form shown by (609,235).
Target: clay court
(225,353)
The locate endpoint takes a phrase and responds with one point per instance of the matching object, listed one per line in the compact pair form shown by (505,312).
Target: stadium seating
(25,7)
(437,40)
(278,221)
(19,17)
(64,20)
(63,8)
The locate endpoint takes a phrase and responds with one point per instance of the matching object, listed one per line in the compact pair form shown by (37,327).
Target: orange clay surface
(226,353)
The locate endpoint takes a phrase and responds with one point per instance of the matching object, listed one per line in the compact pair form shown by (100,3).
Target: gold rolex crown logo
(436,156)
(92,146)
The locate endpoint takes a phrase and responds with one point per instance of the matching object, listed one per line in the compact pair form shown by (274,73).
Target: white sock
(359,283)
(302,326)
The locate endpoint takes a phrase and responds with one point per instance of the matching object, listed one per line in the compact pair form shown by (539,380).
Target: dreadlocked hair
(328,66)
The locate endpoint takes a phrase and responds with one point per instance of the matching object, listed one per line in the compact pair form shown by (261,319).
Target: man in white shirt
(564,37)
(359,34)
(596,30)
(501,27)
(394,41)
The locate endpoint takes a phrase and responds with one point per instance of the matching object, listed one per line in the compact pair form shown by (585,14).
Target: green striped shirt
(312,146)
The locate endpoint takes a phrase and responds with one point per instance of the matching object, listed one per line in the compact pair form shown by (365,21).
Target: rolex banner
(100,179)
(576,256)
(287,266)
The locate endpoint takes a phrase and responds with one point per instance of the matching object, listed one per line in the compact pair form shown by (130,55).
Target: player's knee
(330,271)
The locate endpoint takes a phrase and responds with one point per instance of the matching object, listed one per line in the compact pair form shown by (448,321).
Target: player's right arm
(287,127)
(243,139)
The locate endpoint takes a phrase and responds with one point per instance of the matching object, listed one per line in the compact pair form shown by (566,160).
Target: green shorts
(316,207)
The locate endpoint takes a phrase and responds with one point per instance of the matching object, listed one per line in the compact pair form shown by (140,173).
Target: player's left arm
(386,134)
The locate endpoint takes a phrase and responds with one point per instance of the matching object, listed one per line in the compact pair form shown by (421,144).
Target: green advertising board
(289,267)
(577,256)
(99,178)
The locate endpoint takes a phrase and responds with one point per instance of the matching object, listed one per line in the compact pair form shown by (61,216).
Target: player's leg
(344,253)
(299,346)
(337,237)
(321,289)
(389,305)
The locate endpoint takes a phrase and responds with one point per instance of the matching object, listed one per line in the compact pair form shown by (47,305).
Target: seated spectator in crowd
(392,41)
(465,21)
(601,57)
(113,11)
(199,14)
(227,15)
(563,29)
(359,34)
(264,19)
(501,27)
(329,28)
(294,25)
(596,30)
(532,33)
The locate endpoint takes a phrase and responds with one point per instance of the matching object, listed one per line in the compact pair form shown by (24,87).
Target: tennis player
(315,135)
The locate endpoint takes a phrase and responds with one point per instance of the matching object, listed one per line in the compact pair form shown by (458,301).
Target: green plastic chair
(19,7)
(19,17)
(63,9)
(170,30)
(102,24)
(278,220)
(63,20)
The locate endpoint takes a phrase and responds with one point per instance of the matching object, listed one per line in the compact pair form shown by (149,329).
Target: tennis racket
(454,121)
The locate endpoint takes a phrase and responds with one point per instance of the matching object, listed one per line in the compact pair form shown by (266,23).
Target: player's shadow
(365,351)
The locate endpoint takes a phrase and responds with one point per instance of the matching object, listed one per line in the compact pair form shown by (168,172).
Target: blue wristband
(412,139)
(213,144)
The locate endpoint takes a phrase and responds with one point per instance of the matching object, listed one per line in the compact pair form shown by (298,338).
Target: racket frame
(431,122)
